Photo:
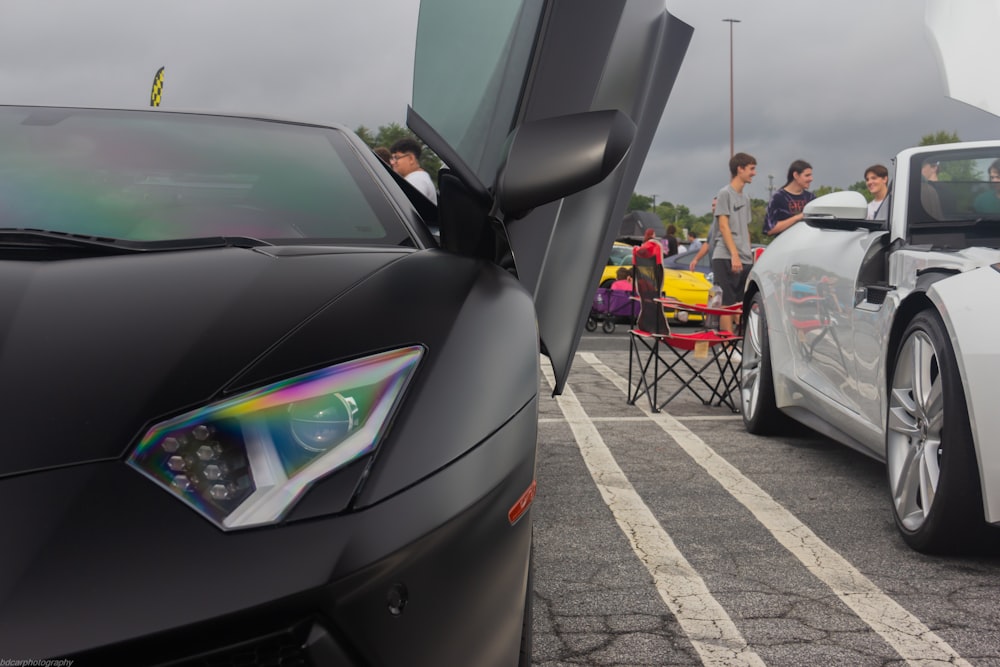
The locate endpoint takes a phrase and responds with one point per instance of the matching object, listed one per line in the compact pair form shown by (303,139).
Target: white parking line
(913,640)
(706,623)
(693,418)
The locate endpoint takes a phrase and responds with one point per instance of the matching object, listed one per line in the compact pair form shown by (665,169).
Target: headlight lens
(246,461)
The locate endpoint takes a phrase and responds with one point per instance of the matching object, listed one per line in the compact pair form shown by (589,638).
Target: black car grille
(283,650)
(306,644)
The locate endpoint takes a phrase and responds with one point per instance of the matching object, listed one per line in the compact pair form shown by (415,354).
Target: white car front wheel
(760,414)
(931,464)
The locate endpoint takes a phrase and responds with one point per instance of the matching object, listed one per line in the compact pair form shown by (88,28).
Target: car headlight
(246,461)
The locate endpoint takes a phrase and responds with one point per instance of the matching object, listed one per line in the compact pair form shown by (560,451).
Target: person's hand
(737,264)
(693,264)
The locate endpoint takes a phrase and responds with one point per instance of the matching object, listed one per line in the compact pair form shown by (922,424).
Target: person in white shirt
(405,161)
(877,180)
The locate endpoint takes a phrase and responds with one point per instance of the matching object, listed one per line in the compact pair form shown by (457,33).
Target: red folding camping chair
(704,363)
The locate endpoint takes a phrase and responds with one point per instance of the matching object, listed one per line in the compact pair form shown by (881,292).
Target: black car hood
(93,350)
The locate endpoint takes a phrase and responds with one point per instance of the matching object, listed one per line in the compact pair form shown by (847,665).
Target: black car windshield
(160,176)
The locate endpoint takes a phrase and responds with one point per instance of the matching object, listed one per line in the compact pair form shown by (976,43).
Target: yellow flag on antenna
(157,92)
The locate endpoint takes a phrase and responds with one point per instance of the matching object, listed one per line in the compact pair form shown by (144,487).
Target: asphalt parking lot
(677,538)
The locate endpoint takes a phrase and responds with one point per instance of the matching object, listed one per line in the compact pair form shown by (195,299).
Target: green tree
(826,189)
(389,134)
(639,202)
(939,137)
(758,209)
(677,215)
(862,187)
(366,135)
(952,170)
(957,171)
(699,226)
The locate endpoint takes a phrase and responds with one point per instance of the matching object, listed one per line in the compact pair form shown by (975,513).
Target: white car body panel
(831,340)
(973,324)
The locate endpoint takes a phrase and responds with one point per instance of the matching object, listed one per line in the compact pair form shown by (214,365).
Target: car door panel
(819,296)
(539,70)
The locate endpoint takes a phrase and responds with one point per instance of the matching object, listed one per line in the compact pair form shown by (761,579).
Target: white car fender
(968,304)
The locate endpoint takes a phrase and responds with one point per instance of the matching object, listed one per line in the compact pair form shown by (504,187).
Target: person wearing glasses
(405,161)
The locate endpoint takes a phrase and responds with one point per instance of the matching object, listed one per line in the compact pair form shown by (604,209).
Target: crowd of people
(728,238)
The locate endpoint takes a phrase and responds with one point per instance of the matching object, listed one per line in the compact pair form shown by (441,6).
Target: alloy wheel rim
(750,367)
(913,435)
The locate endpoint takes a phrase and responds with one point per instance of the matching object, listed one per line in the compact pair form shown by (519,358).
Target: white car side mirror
(844,205)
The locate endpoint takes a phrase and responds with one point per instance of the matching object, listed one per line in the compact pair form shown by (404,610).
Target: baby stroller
(611,307)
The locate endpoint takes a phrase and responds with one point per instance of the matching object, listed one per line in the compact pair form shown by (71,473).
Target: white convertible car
(884,335)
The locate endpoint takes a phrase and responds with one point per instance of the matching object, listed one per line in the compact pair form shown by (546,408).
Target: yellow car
(685,286)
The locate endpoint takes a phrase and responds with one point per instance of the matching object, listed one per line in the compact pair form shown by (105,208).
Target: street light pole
(732,139)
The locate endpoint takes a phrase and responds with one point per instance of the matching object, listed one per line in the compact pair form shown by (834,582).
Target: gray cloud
(841,85)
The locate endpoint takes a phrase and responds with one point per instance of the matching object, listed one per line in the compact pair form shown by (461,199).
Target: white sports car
(883,336)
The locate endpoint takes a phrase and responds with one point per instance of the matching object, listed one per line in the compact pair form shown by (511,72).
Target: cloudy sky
(840,84)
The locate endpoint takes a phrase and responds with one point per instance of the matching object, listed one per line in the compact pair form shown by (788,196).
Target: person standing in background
(929,171)
(405,161)
(649,236)
(671,240)
(877,180)
(787,203)
(693,242)
(732,257)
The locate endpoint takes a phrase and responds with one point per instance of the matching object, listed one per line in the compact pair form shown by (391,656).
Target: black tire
(761,415)
(528,620)
(928,436)
(591,324)
(609,326)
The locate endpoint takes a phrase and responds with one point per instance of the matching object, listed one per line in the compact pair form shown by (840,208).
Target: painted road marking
(706,623)
(913,640)
(693,418)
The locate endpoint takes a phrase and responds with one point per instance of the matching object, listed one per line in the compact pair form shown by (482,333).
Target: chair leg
(642,386)
(729,377)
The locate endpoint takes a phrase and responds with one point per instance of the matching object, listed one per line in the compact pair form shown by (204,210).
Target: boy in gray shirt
(731,256)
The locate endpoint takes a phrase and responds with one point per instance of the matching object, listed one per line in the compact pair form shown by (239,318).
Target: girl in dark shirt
(785,207)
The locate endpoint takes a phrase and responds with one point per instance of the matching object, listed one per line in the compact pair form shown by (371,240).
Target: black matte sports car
(253,411)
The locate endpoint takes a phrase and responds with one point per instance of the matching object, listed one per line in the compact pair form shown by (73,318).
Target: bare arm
(782,225)
(702,251)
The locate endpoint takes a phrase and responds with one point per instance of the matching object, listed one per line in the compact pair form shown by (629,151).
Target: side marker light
(522,504)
